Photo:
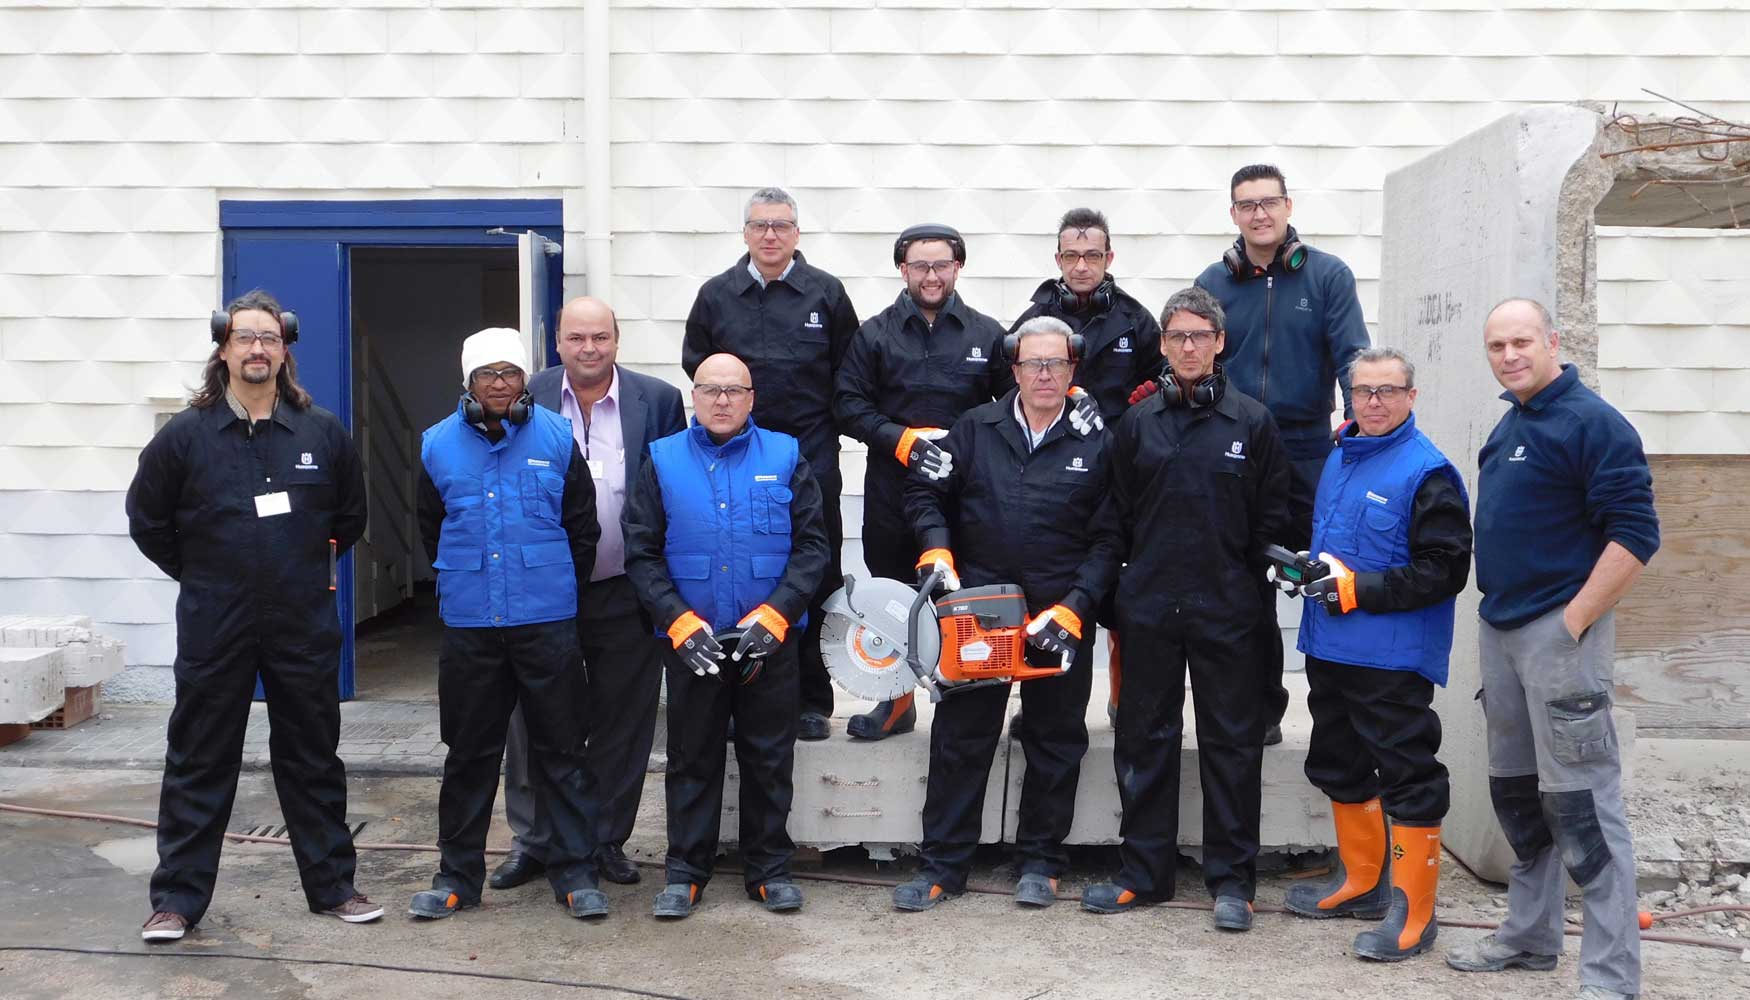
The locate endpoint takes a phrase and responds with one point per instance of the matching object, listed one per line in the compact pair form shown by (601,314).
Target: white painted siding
(122,125)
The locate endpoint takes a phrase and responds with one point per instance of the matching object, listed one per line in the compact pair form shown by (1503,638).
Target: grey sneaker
(1600,993)
(1490,955)
(1036,890)
(357,910)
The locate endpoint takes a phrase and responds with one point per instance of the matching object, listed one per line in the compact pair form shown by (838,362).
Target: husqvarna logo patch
(1518,454)
(1076,465)
(1235,451)
(813,321)
(306,462)
(1123,346)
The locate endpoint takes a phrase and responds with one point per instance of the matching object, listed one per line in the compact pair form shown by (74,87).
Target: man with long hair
(247,499)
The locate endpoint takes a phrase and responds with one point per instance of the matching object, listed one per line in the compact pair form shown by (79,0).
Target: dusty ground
(81,884)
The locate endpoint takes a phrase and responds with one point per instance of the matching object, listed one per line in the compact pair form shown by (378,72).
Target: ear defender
(220,323)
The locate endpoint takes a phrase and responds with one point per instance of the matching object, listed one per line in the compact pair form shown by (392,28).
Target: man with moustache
(614,413)
(791,323)
(507,515)
(246,499)
(911,371)
(725,538)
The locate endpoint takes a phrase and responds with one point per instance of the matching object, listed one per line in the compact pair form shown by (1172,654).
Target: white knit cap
(491,346)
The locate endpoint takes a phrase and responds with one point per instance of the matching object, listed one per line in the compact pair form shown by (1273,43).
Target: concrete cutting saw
(881,638)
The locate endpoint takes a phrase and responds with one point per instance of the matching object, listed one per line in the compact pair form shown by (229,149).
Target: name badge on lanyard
(598,468)
(273,504)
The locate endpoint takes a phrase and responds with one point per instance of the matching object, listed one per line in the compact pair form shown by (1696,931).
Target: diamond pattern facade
(122,125)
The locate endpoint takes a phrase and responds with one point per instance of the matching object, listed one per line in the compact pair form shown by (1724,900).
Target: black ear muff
(289,326)
(472,411)
(1207,392)
(929,231)
(1237,265)
(1012,347)
(521,408)
(221,325)
(1292,253)
(1099,301)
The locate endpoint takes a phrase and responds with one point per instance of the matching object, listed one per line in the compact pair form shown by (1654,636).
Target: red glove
(1144,391)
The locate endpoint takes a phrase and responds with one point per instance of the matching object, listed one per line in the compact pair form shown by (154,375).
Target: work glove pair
(703,654)
(919,453)
(1335,591)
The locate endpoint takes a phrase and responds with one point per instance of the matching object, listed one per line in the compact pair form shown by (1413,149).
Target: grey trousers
(1555,775)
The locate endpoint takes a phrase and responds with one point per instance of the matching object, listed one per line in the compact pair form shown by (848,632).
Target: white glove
(1085,413)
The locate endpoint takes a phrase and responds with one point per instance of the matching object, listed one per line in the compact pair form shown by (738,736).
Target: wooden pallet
(81,704)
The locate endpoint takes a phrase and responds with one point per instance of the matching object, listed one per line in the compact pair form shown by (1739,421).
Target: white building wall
(122,125)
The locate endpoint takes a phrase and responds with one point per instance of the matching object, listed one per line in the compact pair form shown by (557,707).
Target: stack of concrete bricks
(44,659)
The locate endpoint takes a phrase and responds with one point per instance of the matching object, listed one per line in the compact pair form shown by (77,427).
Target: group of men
(1119,468)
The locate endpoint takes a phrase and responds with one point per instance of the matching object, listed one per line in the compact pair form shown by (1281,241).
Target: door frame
(252,230)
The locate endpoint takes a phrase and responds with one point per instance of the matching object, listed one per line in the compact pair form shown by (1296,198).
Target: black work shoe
(436,904)
(1015,726)
(1273,735)
(1110,897)
(586,901)
(778,897)
(517,868)
(1036,890)
(890,718)
(1303,898)
(1233,913)
(813,727)
(919,895)
(616,867)
(676,900)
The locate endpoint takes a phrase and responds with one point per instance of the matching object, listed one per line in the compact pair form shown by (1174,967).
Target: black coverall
(254,599)
(1196,495)
(901,372)
(1121,344)
(1375,733)
(792,334)
(483,673)
(1024,518)
(700,708)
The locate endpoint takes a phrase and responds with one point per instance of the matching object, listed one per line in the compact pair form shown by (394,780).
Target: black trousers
(205,753)
(816,692)
(623,683)
(1303,483)
(1375,734)
(483,673)
(699,710)
(1230,753)
(963,742)
(890,550)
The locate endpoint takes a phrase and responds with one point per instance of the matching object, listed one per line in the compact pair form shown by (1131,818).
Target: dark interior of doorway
(411,309)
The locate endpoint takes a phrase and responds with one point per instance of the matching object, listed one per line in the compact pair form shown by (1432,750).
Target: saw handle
(916,666)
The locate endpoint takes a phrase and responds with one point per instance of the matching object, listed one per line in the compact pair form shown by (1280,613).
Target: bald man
(614,414)
(726,542)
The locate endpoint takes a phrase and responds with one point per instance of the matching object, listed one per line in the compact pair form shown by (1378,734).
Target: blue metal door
(298,251)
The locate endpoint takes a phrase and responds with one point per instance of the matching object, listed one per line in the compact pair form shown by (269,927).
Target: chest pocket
(311,490)
(771,510)
(1377,535)
(542,493)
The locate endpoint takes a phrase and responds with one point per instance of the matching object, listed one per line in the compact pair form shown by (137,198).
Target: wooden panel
(1683,633)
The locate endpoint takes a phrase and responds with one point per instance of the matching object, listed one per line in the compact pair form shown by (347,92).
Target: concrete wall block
(549,165)
(32,684)
(784,30)
(962,32)
(1709,433)
(1731,391)
(20,295)
(541,75)
(1667,390)
(253,31)
(432,30)
(68,425)
(522,121)
(875,31)
(475,75)
(520,30)
(40,76)
(65,513)
(715,121)
(349,120)
(115,602)
(93,661)
(342,30)
(386,75)
(638,75)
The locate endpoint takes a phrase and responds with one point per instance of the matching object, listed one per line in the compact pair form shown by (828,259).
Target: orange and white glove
(918,452)
(766,629)
(692,638)
(1084,414)
(1056,630)
(938,561)
(1335,592)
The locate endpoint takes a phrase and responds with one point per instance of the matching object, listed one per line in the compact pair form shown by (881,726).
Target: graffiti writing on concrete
(1436,308)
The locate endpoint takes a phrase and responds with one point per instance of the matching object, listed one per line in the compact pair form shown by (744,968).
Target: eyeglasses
(249,338)
(919,268)
(1386,394)
(1035,367)
(1202,338)
(778,227)
(511,375)
(1250,205)
(1068,258)
(733,393)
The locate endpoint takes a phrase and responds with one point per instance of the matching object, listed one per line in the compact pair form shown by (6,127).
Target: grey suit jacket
(649,409)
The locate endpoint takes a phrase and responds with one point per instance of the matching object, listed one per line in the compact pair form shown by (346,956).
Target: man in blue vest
(507,514)
(726,542)
(1392,523)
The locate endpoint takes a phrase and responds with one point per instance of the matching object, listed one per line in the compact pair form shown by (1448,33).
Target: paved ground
(82,885)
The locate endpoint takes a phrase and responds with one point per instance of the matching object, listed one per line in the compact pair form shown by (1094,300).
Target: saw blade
(863,638)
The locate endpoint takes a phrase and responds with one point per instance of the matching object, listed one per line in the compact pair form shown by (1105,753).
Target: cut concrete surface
(83,885)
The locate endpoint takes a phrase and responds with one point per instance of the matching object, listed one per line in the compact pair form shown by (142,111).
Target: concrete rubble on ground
(1692,850)
(43,655)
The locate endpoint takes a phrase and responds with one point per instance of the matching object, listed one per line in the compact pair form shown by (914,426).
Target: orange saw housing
(984,637)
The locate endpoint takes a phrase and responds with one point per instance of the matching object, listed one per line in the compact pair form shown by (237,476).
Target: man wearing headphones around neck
(911,371)
(1295,323)
(1199,487)
(507,515)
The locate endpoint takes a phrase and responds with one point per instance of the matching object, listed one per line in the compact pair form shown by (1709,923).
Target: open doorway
(411,309)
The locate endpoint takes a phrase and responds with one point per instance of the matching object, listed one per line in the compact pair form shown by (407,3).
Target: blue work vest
(503,558)
(728,512)
(1362,516)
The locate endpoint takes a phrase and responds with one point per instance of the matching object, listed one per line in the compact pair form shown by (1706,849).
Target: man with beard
(246,499)
(912,370)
